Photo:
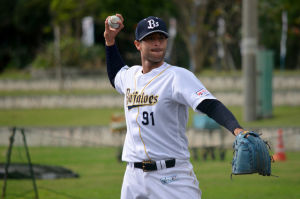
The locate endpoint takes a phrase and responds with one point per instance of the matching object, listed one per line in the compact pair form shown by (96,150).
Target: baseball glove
(251,155)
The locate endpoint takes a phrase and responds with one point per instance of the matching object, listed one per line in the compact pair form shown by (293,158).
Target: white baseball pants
(178,182)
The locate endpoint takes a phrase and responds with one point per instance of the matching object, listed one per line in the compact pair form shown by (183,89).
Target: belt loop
(130,164)
(163,164)
(158,165)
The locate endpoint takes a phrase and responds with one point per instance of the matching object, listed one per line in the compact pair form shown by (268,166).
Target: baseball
(113,21)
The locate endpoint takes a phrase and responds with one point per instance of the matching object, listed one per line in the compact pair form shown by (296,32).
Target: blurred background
(28,31)
(54,89)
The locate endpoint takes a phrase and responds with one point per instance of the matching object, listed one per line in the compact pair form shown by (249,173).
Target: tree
(23,28)
(198,19)
(270,13)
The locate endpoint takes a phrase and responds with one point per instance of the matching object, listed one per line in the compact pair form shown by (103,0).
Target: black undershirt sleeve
(114,62)
(217,111)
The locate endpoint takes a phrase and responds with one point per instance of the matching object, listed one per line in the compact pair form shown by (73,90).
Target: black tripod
(8,157)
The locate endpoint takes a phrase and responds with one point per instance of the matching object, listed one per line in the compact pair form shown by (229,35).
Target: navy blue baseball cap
(150,25)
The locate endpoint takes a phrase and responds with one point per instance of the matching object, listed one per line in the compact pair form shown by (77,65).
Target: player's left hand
(238,131)
(251,155)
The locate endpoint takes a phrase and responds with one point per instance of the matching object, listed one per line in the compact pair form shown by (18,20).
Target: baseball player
(157,96)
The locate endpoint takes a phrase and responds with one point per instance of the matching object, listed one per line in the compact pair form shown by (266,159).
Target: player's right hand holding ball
(113,25)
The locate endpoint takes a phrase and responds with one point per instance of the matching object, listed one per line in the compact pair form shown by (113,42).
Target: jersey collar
(155,70)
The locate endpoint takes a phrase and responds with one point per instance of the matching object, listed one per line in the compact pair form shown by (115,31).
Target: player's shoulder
(178,71)
(134,68)
(131,69)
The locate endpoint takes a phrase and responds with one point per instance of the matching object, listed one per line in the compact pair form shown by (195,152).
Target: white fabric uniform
(156,110)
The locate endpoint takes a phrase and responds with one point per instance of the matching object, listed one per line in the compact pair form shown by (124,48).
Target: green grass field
(283,116)
(101,176)
(57,117)
(71,92)
(24,75)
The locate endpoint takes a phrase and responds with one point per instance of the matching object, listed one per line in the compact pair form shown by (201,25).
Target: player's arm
(217,111)
(114,61)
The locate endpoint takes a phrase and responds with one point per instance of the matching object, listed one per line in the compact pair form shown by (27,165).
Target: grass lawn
(24,75)
(101,176)
(283,116)
(71,92)
(57,117)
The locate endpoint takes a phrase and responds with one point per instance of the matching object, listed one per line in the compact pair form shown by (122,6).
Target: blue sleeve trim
(114,62)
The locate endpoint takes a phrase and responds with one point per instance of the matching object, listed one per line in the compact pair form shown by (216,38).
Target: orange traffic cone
(280,153)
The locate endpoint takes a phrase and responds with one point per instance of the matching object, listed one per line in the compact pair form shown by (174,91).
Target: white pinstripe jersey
(156,110)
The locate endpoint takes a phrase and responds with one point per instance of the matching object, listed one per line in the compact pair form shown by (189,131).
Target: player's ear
(137,44)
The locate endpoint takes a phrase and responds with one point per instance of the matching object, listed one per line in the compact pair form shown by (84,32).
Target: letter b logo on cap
(152,24)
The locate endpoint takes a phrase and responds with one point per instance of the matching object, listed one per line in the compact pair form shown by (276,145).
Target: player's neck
(148,66)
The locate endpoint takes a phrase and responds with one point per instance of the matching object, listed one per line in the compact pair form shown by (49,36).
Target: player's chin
(157,56)
(156,59)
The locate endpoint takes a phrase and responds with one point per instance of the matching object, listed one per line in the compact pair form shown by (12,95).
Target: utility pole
(249,48)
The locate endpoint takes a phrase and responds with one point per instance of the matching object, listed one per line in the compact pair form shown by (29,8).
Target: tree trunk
(57,56)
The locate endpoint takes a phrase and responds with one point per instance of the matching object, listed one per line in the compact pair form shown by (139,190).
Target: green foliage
(270,24)
(30,16)
(27,25)
(22,27)
(73,54)
(63,11)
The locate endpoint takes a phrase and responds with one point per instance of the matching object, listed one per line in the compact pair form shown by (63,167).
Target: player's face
(153,47)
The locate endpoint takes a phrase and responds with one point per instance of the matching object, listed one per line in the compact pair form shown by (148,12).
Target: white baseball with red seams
(156,109)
